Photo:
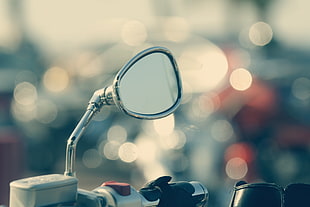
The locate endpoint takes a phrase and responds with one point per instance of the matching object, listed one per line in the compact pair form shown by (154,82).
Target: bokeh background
(245,66)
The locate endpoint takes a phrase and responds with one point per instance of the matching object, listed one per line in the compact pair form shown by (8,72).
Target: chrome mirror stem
(73,140)
(100,97)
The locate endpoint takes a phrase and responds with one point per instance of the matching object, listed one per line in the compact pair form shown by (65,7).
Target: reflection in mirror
(150,86)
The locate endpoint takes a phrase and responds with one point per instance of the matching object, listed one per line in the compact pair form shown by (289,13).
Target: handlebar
(59,190)
(159,192)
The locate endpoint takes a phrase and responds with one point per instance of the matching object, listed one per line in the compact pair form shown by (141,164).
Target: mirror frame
(126,68)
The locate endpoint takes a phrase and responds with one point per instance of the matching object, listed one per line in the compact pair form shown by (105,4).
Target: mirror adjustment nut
(122,189)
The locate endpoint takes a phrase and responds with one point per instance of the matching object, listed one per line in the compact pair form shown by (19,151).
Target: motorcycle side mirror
(147,87)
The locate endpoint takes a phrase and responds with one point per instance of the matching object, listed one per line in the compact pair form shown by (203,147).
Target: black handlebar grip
(180,194)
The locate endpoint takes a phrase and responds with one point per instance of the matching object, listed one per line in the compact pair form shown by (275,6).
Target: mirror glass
(150,85)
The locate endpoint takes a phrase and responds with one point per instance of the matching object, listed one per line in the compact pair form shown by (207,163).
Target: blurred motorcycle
(147,87)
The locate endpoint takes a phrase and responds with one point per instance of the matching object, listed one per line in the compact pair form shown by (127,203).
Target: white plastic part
(43,190)
(90,199)
(114,199)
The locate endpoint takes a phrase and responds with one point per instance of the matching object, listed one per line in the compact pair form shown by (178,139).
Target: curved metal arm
(73,140)
(101,97)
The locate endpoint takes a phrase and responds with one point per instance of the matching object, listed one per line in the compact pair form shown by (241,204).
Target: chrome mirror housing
(148,86)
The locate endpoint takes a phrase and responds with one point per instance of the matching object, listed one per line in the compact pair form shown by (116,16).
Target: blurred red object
(251,109)
(240,150)
(11,165)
